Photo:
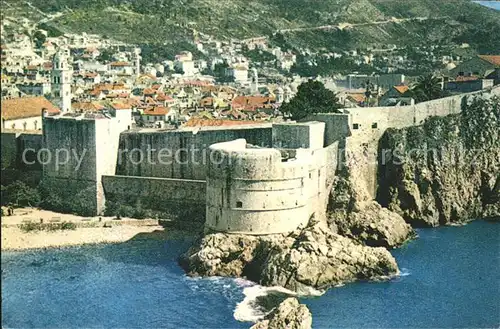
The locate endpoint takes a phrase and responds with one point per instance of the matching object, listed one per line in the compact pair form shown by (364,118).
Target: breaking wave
(260,301)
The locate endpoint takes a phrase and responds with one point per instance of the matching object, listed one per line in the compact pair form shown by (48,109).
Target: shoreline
(87,231)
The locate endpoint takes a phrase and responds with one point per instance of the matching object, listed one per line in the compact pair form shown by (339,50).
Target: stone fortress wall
(179,199)
(270,190)
(359,130)
(14,143)
(184,154)
(81,150)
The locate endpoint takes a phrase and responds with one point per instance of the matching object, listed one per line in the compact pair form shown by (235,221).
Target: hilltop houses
(481,66)
(397,95)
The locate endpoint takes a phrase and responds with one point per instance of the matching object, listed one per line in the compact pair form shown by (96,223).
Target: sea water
(492,4)
(450,278)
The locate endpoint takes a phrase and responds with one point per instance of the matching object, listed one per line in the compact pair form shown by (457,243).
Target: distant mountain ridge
(366,22)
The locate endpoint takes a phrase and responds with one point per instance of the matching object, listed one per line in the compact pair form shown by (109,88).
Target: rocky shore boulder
(219,254)
(320,259)
(372,225)
(290,314)
(304,261)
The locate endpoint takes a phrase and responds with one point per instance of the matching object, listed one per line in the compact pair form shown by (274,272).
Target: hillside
(294,23)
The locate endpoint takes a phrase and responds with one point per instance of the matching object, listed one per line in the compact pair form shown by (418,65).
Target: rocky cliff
(304,261)
(353,214)
(446,170)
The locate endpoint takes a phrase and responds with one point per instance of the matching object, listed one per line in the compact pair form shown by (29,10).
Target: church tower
(61,79)
(279,95)
(255,82)
(287,94)
(137,61)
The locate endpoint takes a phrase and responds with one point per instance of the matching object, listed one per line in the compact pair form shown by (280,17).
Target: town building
(483,66)
(25,113)
(463,84)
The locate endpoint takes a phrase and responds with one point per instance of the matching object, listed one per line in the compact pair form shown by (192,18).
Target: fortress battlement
(256,178)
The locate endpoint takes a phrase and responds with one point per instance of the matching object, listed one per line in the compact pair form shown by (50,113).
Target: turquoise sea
(451,279)
(491,4)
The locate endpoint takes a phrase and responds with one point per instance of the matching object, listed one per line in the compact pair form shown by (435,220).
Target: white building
(239,73)
(35,88)
(25,113)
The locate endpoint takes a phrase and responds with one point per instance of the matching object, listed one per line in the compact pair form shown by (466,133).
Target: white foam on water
(248,310)
(244,283)
(404,272)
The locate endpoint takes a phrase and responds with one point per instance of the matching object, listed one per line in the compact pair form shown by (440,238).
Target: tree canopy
(312,97)
(427,88)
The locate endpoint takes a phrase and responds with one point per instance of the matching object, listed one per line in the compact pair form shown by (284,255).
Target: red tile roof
(119,64)
(358,98)
(149,91)
(157,110)
(109,86)
(493,59)
(87,106)
(461,78)
(26,107)
(401,88)
(251,103)
(164,98)
(198,122)
(121,106)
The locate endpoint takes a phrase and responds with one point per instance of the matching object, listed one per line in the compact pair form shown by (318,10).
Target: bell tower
(137,61)
(61,78)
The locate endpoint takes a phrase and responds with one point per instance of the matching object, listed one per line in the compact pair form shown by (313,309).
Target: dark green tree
(427,87)
(20,194)
(312,97)
(105,56)
(39,39)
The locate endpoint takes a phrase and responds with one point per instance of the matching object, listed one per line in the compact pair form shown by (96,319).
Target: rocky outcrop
(446,170)
(289,314)
(319,259)
(230,255)
(306,260)
(353,214)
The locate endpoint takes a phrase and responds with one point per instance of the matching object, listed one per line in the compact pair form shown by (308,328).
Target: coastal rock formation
(446,170)
(351,213)
(319,259)
(289,314)
(306,260)
(231,255)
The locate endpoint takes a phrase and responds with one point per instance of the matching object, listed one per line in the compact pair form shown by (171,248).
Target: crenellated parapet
(267,190)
